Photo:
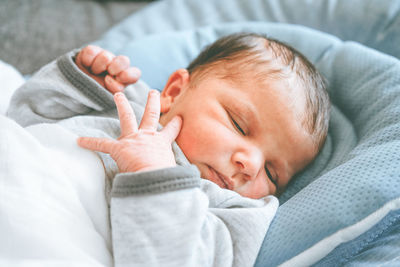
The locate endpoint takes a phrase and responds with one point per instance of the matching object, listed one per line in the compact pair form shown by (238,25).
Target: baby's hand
(143,148)
(113,72)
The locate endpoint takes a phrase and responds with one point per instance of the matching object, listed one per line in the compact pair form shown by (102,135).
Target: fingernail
(118,94)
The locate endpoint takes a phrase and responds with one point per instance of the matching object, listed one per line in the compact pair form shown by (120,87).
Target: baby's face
(242,136)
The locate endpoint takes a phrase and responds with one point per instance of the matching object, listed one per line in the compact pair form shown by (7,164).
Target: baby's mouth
(219,179)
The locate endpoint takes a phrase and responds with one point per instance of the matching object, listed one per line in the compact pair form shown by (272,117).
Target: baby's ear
(176,85)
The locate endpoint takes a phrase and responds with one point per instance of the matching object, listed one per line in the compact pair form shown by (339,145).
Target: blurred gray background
(34,32)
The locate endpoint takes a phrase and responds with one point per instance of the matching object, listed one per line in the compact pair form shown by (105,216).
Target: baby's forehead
(287,91)
(266,82)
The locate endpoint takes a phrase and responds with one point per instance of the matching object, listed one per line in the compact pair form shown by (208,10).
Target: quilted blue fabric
(358,170)
(370,22)
(385,235)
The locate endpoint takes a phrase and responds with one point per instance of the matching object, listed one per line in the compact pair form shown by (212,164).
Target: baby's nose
(248,163)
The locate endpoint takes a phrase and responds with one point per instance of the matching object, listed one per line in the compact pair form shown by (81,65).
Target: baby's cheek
(187,142)
(197,143)
(256,190)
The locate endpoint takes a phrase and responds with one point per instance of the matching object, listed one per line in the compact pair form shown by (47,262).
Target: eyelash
(237,126)
(270,176)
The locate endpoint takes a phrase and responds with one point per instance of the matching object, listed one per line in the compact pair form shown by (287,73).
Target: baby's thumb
(172,129)
(112,85)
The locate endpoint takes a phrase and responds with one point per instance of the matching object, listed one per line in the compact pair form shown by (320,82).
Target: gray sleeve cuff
(89,87)
(157,181)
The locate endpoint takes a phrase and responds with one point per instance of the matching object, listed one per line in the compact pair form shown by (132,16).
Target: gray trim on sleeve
(83,82)
(157,181)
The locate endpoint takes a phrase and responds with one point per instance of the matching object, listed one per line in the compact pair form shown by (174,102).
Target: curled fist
(140,148)
(112,72)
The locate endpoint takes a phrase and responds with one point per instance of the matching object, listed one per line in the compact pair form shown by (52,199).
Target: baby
(247,114)
(255,113)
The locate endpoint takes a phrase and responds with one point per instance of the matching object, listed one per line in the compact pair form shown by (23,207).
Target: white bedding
(10,80)
(53,210)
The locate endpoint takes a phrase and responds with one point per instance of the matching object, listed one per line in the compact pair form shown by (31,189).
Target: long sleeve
(171,217)
(58,91)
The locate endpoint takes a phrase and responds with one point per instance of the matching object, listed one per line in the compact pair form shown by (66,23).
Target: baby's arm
(159,214)
(64,89)
(163,218)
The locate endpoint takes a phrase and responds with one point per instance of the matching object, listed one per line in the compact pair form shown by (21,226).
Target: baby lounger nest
(348,198)
(344,209)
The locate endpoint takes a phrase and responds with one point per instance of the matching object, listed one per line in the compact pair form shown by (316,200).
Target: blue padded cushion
(370,22)
(358,169)
(386,241)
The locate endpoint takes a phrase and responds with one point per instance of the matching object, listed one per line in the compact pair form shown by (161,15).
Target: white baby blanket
(10,80)
(53,210)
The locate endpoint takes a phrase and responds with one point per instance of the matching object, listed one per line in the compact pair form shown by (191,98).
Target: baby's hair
(276,60)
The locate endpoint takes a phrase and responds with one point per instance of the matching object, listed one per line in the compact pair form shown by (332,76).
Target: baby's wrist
(137,168)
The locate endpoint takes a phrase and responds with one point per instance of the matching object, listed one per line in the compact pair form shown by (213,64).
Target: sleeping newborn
(255,113)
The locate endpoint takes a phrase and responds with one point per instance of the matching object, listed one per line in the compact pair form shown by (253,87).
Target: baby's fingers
(97,144)
(126,115)
(151,114)
(118,64)
(172,129)
(129,75)
(101,62)
(88,54)
(113,85)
